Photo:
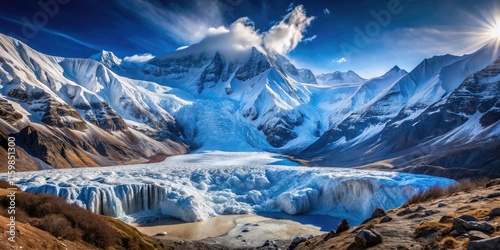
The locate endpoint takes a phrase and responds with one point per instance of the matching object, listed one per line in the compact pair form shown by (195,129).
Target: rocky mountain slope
(443,113)
(67,112)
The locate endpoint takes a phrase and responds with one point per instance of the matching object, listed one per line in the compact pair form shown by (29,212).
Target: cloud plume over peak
(241,35)
(288,33)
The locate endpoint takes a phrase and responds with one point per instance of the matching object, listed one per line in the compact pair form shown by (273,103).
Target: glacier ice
(198,186)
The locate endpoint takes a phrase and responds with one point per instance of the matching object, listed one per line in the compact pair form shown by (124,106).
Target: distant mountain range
(69,112)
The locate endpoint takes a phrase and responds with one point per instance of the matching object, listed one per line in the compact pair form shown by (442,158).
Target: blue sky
(367,36)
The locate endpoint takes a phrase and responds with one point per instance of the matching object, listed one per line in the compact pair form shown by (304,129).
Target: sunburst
(495,31)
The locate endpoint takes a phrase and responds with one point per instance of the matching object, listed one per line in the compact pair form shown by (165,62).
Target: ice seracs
(198,186)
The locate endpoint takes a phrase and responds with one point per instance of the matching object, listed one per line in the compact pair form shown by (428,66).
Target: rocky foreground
(467,219)
(464,220)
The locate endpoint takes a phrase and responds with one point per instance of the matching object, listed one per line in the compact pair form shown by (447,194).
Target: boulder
(420,208)
(493,183)
(161,234)
(330,235)
(467,217)
(378,213)
(430,212)
(405,212)
(343,226)
(482,226)
(296,241)
(494,212)
(473,225)
(269,243)
(493,195)
(367,238)
(385,219)
(486,244)
(442,204)
(458,223)
(477,235)
(416,215)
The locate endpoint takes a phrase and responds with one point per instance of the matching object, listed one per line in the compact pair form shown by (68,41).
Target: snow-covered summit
(107,58)
(339,77)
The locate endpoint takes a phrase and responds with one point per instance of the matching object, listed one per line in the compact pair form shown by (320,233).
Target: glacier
(198,186)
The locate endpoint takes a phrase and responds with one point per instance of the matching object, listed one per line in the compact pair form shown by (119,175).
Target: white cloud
(288,33)
(230,41)
(182,47)
(341,60)
(309,39)
(326,11)
(241,36)
(139,58)
(216,31)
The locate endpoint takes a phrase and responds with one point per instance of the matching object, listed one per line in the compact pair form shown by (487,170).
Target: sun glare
(495,32)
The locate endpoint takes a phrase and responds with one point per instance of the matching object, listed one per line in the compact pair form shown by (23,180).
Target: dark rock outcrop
(343,226)
(486,244)
(367,238)
(256,64)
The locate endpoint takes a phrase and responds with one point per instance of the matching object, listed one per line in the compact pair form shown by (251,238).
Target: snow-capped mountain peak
(339,77)
(107,58)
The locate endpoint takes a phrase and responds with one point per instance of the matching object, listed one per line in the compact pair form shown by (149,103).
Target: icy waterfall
(194,190)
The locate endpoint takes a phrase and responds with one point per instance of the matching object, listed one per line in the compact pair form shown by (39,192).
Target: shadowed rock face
(173,66)
(256,64)
(105,117)
(73,150)
(280,131)
(212,73)
(8,113)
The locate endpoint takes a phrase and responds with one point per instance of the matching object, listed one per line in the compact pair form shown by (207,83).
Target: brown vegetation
(438,192)
(444,227)
(449,243)
(73,223)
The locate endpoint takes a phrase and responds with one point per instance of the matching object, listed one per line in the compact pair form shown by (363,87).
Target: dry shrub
(465,243)
(478,213)
(437,192)
(449,243)
(446,227)
(91,227)
(58,226)
(429,194)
